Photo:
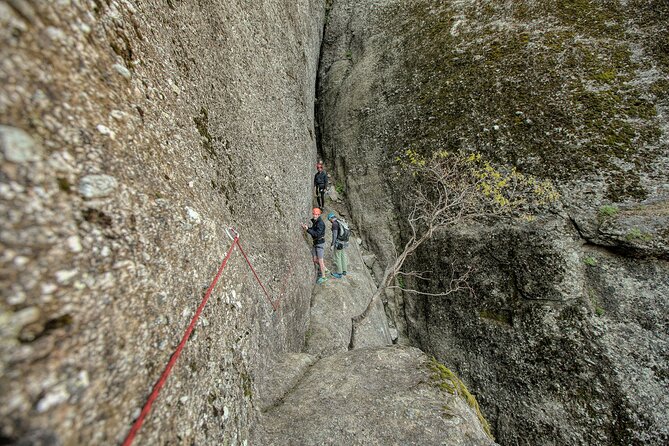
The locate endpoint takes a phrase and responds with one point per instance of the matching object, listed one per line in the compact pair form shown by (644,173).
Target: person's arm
(335,232)
(312,231)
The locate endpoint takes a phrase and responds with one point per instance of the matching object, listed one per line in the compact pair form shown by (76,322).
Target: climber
(317,232)
(320,184)
(340,236)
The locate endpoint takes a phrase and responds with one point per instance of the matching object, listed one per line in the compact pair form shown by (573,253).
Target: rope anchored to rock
(234,236)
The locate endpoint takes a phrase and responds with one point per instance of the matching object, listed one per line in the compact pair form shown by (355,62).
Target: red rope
(163,378)
(256,276)
(156,389)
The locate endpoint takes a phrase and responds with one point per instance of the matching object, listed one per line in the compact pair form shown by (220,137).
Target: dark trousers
(320,197)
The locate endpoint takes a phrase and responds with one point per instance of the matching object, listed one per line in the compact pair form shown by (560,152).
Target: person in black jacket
(317,233)
(320,184)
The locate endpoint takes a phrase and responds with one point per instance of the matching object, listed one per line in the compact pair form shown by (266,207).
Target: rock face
(561,340)
(565,337)
(133,133)
(340,392)
(334,304)
(373,396)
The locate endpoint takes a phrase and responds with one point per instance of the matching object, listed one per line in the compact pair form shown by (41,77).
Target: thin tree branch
(423,293)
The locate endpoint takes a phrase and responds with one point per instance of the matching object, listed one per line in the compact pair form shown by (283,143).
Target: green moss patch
(607,211)
(554,99)
(594,301)
(503,317)
(590,261)
(636,234)
(448,381)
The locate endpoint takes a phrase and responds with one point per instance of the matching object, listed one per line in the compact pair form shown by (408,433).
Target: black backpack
(344,232)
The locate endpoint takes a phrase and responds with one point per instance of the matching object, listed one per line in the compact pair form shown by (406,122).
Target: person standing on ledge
(320,184)
(317,233)
(340,235)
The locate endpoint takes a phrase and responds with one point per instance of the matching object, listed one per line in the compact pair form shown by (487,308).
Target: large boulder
(575,92)
(335,303)
(552,333)
(374,396)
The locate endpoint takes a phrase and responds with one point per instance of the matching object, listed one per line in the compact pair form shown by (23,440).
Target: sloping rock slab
(373,396)
(637,230)
(285,373)
(336,302)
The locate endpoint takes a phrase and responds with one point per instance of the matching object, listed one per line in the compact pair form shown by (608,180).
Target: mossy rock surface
(374,396)
(566,89)
(573,91)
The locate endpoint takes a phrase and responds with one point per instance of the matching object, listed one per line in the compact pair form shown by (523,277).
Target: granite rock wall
(133,133)
(564,340)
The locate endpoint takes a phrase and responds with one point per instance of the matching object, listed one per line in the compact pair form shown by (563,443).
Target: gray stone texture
(336,302)
(565,338)
(133,133)
(366,393)
(18,146)
(544,367)
(97,186)
(372,396)
(285,373)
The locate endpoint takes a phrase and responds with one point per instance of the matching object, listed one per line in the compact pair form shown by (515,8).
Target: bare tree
(444,190)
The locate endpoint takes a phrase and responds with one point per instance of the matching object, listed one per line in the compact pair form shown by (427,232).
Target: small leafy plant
(339,188)
(608,211)
(590,261)
(476,181)
(599,311)
(636,234)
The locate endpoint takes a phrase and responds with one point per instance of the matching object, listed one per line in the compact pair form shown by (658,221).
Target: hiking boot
(344,273)
(321,280)
(336,275)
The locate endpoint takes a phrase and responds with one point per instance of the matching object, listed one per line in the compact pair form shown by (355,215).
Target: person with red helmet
(317,233)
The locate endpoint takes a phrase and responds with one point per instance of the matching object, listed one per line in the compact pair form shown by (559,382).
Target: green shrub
(339,187)
(590,261)
(608,211)
(636,234)
(497,188)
